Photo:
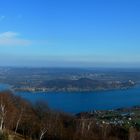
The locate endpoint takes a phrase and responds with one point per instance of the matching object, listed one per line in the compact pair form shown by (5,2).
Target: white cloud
(12,39)
(8,35)
(2,18)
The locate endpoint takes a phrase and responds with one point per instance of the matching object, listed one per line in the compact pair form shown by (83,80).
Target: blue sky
(93,33)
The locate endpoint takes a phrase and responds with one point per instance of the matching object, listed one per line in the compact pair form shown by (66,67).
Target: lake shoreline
(75,102)
(74,91)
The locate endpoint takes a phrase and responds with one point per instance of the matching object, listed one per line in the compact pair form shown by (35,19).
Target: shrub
(3,136)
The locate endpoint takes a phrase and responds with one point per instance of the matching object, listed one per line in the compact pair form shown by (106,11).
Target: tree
(7,109)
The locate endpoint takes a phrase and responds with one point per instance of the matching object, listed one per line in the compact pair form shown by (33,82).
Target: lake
(4,87)
(87,101)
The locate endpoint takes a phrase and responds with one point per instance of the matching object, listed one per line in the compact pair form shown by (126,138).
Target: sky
(70,33)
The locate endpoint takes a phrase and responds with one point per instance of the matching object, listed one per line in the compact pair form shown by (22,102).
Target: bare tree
(2,115)
(18,121)
(43,131)
(6,110)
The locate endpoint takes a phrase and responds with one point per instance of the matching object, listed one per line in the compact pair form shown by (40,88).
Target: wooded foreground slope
(20,120)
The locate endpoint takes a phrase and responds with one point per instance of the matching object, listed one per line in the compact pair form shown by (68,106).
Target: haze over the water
(99,33)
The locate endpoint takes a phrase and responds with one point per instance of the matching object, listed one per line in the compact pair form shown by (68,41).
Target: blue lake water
(78,102)
(4,87)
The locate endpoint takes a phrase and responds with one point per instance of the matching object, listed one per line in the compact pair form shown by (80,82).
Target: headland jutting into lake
(68,80)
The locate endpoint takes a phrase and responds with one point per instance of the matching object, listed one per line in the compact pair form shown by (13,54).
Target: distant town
(123,117)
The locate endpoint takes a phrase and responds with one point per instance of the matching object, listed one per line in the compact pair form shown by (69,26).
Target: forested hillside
(21,120)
